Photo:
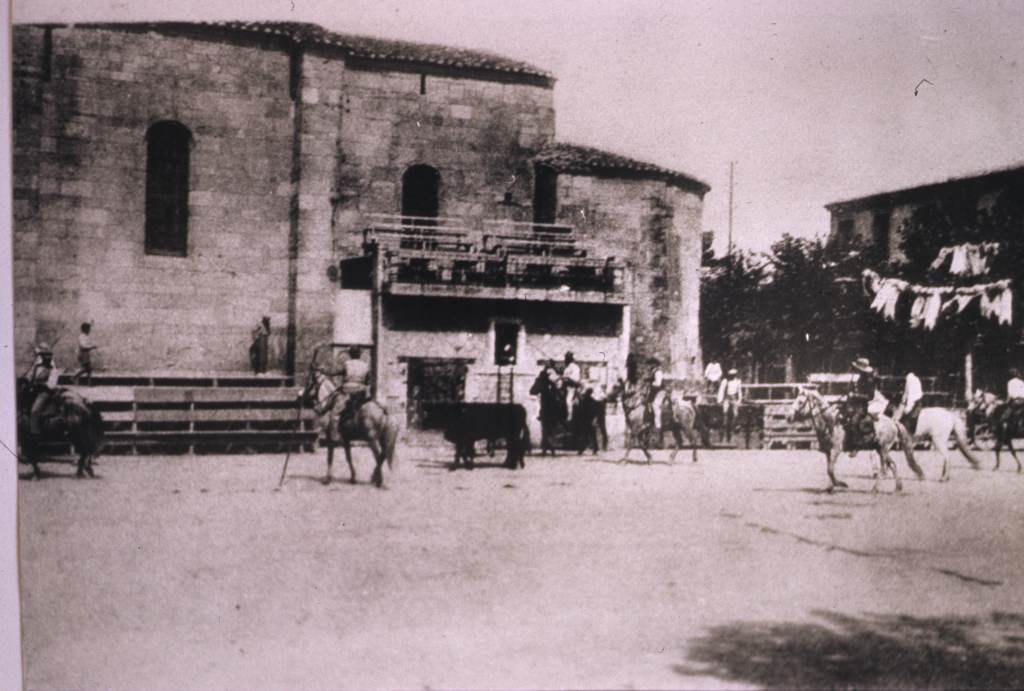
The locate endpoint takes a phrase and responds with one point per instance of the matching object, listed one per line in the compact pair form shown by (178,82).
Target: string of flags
(995,299)
(967,259)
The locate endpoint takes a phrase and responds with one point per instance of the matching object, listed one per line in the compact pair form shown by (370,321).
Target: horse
(824,417)
(369,422)
(1004,420)
(640,419)
(588,422)
(935,425)
(552,410)
(75,420)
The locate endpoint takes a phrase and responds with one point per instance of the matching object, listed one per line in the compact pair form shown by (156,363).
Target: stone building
(176,182)
(875,221)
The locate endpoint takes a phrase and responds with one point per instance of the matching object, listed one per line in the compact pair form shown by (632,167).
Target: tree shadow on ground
(872,651)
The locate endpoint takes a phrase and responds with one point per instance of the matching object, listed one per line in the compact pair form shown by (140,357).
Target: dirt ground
(734,572)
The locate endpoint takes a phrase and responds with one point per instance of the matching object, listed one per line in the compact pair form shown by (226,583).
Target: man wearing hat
(860,422)
(43,376)
(729,394)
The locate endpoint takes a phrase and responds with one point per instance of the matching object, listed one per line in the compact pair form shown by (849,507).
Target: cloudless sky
(815,101)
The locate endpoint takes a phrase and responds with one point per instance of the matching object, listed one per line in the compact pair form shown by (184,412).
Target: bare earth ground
(737,571)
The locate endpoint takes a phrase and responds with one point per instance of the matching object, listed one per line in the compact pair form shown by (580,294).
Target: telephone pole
(732,168)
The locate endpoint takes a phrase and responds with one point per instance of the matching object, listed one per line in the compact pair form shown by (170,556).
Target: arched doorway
(420,185)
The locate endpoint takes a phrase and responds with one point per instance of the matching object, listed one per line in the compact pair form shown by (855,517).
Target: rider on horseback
(861,405)
(42,380)
(355,383)
(910,405)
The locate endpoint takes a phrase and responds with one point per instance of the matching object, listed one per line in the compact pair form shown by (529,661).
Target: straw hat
(863,364)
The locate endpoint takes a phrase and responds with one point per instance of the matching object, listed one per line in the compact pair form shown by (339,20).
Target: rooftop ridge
(574,158)
(354,45)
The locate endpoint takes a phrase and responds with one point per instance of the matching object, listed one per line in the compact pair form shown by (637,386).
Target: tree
(732,322)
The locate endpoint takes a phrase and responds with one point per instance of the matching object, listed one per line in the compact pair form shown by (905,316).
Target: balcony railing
(450,256)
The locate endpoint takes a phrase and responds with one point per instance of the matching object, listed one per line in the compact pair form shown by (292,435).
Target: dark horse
(73,420)
(1004,418)
(552,411)
(368,421)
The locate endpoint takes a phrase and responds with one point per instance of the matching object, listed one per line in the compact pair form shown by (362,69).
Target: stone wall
(479,135)
(655,227)
(464,329)
(291,150)
(80,166)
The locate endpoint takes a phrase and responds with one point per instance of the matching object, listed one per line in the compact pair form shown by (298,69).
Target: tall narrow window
(420,186)
(545,194)
(844,233)
(880,230)
(167,188)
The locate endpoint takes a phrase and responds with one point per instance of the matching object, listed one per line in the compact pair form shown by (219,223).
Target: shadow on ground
(873,651)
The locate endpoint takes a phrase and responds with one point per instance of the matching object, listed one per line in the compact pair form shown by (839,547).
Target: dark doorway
(435,386)
(545,194)
(420,185)
(506,341)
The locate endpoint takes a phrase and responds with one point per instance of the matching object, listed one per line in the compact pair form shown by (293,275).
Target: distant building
(174,182)
(874,221)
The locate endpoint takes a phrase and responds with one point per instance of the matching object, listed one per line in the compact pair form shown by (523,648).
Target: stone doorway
(435,386)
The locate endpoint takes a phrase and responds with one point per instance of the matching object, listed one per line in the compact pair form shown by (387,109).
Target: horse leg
(891,465)
(1013,452)
(677,437)
(378,455)
(348,457)
(330,461)
(830,459)
(907,441)
(940,446)
(999,445)
(877,470)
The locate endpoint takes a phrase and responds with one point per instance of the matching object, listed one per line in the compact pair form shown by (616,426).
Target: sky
(814,101)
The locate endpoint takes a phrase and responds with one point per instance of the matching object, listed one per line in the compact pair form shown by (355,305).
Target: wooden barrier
(203,418)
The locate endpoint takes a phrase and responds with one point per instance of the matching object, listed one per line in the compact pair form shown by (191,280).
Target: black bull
(490,421)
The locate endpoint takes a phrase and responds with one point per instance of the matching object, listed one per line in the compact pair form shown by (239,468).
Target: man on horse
(355,383)
(656,391)
(910,405)
(42,381)
(862,405)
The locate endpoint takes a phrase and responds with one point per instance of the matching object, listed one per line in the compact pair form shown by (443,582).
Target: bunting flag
(995,300)
(968,259)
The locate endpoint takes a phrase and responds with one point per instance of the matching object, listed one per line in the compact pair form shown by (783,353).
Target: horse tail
(960,439)
(527,447)
(389,441)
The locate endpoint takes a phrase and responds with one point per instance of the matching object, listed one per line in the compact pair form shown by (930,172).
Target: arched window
(545,194)
(167,154)
(420,185)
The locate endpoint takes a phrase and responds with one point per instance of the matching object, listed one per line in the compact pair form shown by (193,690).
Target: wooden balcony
(494,259)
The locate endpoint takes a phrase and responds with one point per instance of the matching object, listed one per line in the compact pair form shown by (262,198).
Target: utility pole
(732,167)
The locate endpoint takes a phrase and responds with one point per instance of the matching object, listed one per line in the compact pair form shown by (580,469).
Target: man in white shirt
(1015,387)
(713,375)
(910,404)
(571,378)
(729,394)
(657,393)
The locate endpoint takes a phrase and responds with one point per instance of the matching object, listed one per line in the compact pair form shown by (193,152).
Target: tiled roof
(367,47)
(904,193)
(570,158)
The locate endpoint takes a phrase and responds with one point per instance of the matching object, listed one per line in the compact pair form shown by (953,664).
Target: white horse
(935,425)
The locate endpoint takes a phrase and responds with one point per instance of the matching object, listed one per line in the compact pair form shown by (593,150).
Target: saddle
(353,403)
